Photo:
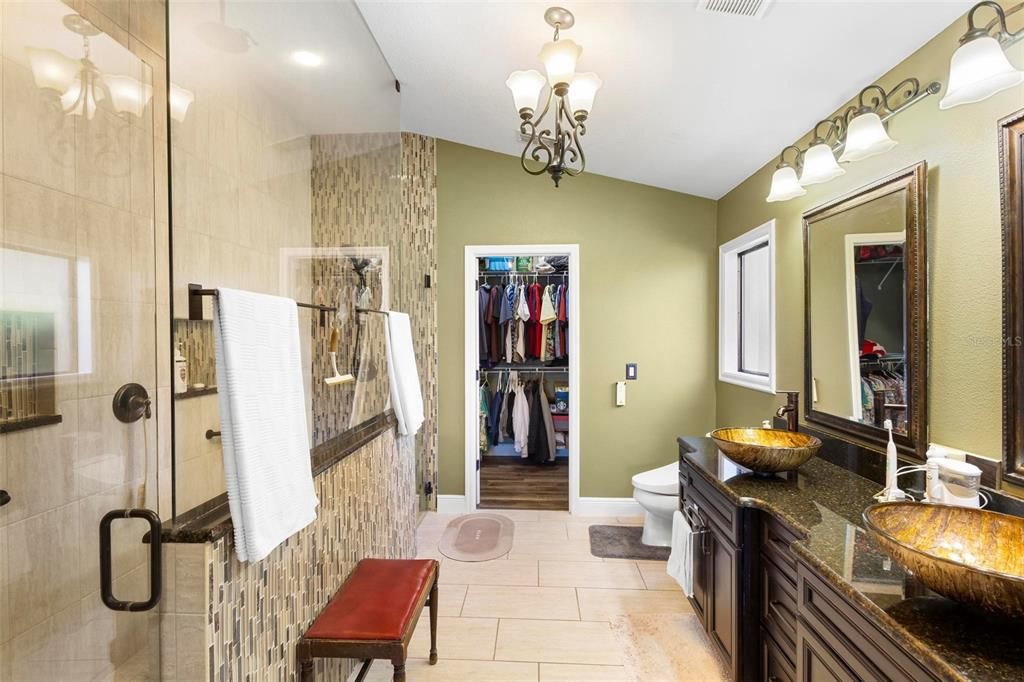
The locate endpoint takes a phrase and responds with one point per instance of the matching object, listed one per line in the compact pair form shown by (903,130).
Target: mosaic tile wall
(376,191)
(196,340)
(256,612)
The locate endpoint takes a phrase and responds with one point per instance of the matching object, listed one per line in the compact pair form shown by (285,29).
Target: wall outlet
(631,371)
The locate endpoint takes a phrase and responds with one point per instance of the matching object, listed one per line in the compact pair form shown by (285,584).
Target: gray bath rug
(477,537)
(623,542)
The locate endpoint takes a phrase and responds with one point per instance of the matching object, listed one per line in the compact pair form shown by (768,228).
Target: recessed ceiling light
(306,58)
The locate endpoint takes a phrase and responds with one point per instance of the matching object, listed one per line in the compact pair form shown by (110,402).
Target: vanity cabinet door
(701,570)
(815,660)
(722,621)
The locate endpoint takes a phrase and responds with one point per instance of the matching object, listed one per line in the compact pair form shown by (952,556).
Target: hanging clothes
(485,410)
(483,300)
(547,317)
(522,312)
(494,417)
(534,340)
(540,448)
(521,422)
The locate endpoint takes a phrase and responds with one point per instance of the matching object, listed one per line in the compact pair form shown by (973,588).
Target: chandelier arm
(1003,34)
(577,132)
(537,142)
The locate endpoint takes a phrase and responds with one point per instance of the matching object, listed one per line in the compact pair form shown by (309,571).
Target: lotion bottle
(180,371)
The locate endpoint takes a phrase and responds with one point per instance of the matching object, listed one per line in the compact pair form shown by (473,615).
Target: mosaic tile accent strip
(376,191)
(196,340)
(257,611)
(26,365)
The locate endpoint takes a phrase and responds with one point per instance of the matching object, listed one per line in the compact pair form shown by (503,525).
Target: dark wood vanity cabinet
(772,616)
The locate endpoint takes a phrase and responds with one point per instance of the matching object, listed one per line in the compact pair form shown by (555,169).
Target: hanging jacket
(539,448)
(521,422)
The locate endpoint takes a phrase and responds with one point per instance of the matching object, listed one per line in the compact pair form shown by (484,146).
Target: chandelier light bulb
(128,94)
(785,186)
(819,165)
(51,69)
(866,137)
(977,70)
(78,103)
(582,91)
(180,99)
(525,87)
(559,58)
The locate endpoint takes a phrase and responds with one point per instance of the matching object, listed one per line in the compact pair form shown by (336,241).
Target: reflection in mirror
(864,271)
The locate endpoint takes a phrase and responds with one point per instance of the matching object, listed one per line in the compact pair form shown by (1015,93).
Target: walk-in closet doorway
(562,370)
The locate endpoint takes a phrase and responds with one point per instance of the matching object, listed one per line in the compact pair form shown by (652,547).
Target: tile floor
(543,613)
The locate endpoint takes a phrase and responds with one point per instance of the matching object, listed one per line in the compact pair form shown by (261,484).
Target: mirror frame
(913,181)
(1011,181)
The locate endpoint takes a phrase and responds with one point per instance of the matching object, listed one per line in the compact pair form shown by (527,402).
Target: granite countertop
(824,502)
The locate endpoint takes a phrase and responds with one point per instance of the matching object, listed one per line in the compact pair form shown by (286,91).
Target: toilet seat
(661,481)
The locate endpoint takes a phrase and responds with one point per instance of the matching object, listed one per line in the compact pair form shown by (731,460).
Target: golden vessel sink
(969,555)
(766,450)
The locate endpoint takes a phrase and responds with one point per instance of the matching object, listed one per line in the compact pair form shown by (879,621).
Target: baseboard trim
(451,504)
(608,506)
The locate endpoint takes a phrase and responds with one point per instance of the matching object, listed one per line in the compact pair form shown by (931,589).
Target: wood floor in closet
(510,483)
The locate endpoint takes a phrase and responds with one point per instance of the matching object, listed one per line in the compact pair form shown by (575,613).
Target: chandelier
(81,86)
(553,146)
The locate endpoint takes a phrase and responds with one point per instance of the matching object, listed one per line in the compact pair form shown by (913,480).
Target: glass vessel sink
(766,451)
(969,555)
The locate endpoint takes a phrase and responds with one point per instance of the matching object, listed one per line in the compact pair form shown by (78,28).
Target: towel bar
(195,304)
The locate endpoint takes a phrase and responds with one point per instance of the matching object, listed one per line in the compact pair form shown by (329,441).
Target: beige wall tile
(105,239)
(191,582)
(103,159)
(39,140)
(496,572)
(590,574)
(190,645)
(557,642)
(554,603)
(38,217)
(41,467)
(5,607)
(147,22)
(604,604)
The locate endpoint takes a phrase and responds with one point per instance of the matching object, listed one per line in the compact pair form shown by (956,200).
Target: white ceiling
(691,102)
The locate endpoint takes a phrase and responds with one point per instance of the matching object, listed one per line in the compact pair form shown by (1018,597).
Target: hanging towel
(264,436)
(406,396)
(680,560)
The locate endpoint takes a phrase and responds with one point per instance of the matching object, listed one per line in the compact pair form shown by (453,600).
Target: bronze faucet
(791,410)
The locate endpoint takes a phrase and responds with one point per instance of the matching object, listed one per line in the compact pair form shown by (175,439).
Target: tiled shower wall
(225,620)
(90,191)
(358,203)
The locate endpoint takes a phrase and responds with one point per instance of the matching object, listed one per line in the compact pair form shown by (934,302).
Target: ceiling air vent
(751,9)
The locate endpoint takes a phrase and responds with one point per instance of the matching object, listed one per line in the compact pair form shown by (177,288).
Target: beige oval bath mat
(477,537)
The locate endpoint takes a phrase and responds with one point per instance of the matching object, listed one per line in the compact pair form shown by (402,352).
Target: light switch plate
(620,393)
(631,371)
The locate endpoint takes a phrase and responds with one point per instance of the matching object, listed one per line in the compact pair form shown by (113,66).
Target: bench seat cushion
(377,602)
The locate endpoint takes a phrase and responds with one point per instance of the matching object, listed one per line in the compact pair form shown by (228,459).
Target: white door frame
(851,242)
(472,396)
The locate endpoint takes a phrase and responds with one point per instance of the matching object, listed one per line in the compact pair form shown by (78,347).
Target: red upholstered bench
(373,615)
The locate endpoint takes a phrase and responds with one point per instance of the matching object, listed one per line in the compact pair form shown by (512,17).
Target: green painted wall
(964,261)
(648,295)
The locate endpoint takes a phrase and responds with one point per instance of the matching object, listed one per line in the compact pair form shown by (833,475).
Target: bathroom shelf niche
(10,425)
(196,393)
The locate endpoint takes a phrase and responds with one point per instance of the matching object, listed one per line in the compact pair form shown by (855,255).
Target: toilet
(657,491)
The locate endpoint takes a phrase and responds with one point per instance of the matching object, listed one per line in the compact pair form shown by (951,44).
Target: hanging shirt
(484,299)
(493,325)
(521,422)
(522,312)
(547,317)
(534,340)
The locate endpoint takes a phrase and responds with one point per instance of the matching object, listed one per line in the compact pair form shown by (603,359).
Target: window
(746,309)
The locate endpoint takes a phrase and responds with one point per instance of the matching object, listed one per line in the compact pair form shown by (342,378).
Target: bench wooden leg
(433,623)
(399,672)
(306,670)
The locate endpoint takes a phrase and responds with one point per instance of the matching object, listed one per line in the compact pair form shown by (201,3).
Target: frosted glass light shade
(977,70)
(128,94)
(866,137)
(525,87)
(559,58)
(51,69)
(582,91)
(180,99)
(819,165)
(785,186)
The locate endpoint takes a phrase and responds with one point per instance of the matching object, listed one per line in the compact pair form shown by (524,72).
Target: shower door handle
(107,560)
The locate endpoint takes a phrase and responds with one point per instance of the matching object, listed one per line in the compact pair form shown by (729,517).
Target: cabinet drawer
(776,666)
(868,652)
(778,606)
(776,538)
(718,510)
(817,662)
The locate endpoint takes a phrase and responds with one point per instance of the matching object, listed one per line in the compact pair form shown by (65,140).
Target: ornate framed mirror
(1011,173)
(865,327)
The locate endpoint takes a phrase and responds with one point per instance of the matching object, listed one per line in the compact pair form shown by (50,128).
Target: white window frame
(728,308)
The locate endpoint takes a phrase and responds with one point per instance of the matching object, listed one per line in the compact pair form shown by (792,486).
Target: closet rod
(524,274)
(525,370)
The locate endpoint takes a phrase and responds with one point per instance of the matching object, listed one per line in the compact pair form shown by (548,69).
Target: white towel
(263,420)
(406,396)
(680,560)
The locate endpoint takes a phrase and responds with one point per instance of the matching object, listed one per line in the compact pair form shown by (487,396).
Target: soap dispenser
(180,371)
